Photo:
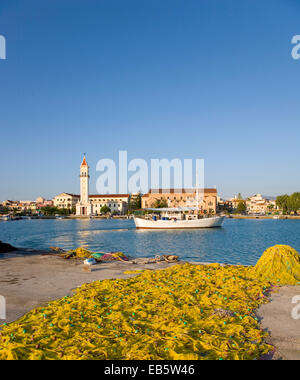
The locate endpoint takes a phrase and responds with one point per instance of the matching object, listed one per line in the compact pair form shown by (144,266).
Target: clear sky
(210,79)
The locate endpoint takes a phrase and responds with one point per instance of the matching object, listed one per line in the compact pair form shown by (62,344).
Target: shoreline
(280,217)
(32,279)
(125,217)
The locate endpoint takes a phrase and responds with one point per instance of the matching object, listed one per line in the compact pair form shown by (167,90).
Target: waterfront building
(45,203)
(89,205)
(8,204)
(257,204)
(117,203)
(234,202)
(27,206)
(40,200)
(207,200)
(20,206)
(65,200)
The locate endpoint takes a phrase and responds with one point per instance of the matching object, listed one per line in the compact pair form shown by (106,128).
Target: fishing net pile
(280,265)
(183,312)
(82,253)
(79,253)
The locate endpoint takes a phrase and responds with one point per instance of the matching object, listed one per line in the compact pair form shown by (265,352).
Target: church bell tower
(84,207)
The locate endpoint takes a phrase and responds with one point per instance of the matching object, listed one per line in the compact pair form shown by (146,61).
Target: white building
(91,204)
(257,204)
(65,200)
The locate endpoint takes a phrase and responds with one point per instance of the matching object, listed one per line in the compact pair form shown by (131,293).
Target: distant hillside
(269,197)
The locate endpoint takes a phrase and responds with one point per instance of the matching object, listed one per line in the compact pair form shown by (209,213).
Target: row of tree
(288,203)
(52,211)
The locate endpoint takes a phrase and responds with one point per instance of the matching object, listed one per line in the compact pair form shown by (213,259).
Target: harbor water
(238,241)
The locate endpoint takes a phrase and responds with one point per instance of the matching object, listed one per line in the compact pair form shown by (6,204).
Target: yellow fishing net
(79,253)
(183,312)
(280,265)
(82,253)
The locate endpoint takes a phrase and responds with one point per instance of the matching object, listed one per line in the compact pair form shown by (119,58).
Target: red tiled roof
(180,191)
(84,163)
(109,196)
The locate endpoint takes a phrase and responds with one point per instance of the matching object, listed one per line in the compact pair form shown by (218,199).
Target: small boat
(177,218)
(6,218)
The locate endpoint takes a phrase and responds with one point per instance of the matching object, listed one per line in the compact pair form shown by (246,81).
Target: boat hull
(212,222)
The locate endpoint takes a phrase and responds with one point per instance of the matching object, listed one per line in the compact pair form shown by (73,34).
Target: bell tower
(84,181)
(84,206)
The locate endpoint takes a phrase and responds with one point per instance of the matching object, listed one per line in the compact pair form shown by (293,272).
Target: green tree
(160,203)
(282,202)
(241,208)
(4,210)
(104,209)
(240,196)
(64,211)
(49,211)
(293,202)
(52,211)
(135,203)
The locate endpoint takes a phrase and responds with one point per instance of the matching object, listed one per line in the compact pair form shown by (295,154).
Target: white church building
(89,205)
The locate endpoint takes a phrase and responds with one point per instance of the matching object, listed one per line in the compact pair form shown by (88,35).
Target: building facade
(257,204)
(206,201)
(89,205)
(65,200)
(117,203)
(234,202)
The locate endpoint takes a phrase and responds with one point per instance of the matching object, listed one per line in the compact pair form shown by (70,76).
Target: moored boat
(6,218)
(177,218)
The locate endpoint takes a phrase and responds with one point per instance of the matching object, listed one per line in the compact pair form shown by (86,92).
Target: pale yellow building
(207,200)
(66,200)
(257,204)
(117,203)
(40,200)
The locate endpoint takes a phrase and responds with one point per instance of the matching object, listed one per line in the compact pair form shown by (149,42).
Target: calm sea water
(238,241)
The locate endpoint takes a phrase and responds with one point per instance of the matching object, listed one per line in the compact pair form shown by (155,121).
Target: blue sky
(210,79)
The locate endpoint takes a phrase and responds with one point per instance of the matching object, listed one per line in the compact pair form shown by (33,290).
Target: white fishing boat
(6,218)
(177,218)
